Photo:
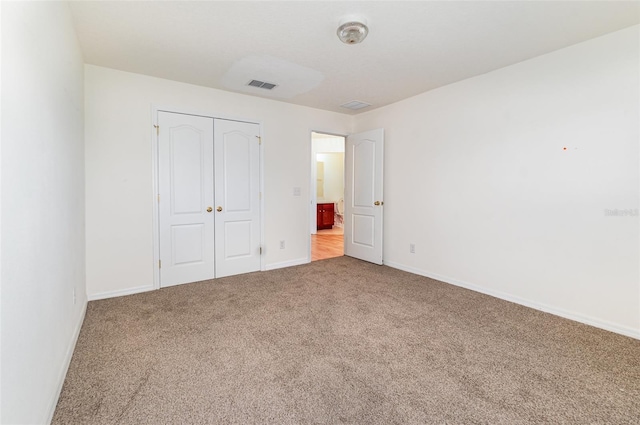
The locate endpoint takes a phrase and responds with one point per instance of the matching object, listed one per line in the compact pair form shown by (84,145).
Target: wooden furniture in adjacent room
(325,216)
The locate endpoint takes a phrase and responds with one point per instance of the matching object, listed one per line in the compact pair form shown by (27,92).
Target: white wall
(42,206)
(477,178)
(327,143)
(119,189)
(333,176)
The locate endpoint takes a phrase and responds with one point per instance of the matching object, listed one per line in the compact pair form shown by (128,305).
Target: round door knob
(209,209)
(219,209)
(376,203)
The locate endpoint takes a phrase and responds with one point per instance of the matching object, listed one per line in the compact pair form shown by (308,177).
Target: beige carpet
(342,341)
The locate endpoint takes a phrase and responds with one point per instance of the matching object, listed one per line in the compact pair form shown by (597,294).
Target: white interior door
(185,167)
(363,196)
(237,195)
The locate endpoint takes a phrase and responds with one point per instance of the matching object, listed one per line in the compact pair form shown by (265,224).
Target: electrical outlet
(412,248)
(281,244)
(74,296)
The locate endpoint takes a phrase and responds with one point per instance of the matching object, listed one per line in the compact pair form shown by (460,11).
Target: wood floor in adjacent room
(327,243)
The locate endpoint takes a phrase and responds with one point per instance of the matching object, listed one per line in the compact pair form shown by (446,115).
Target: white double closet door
(209,197)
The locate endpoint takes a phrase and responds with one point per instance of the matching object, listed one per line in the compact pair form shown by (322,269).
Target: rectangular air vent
(261,84)
(355,105)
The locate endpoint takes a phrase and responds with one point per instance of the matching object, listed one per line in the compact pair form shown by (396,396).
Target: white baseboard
(67,361)
(290,263)
(120,292)
(598,323)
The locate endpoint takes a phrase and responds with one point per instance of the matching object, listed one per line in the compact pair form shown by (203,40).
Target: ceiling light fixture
(352,32)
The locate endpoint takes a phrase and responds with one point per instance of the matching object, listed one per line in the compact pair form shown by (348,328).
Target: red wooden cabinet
(325,216)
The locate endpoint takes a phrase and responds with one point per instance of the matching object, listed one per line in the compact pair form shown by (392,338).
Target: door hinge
(158,197)
(157,127)
(259,140)
(259,195)
(159,264)
(261,250)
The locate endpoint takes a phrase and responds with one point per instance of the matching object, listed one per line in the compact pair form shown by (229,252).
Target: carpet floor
(342,341)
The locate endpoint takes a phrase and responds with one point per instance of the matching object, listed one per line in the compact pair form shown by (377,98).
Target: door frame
(155,178)
(313,199)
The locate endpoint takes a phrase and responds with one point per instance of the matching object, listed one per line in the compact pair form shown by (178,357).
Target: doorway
(327,189)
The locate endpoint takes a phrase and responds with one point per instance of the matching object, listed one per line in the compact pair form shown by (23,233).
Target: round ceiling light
(352,32)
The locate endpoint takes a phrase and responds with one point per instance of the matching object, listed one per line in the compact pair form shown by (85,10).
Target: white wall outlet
(412,248)
(281,244)
(296,191)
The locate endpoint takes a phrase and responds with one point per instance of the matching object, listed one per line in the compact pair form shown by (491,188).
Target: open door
(363,216)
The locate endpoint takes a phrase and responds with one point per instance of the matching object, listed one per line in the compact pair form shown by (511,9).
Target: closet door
(237,197)
(185,201)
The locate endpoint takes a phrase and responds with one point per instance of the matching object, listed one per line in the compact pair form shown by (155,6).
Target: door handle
(209,209)
(219,209)
(376,203)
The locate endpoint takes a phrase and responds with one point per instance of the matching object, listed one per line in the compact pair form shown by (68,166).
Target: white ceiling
(412,46)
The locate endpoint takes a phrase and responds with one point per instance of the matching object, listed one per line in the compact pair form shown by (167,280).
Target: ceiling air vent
(355,105)
(261,84)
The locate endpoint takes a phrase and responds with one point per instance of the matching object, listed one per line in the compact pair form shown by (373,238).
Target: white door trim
(155,183)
